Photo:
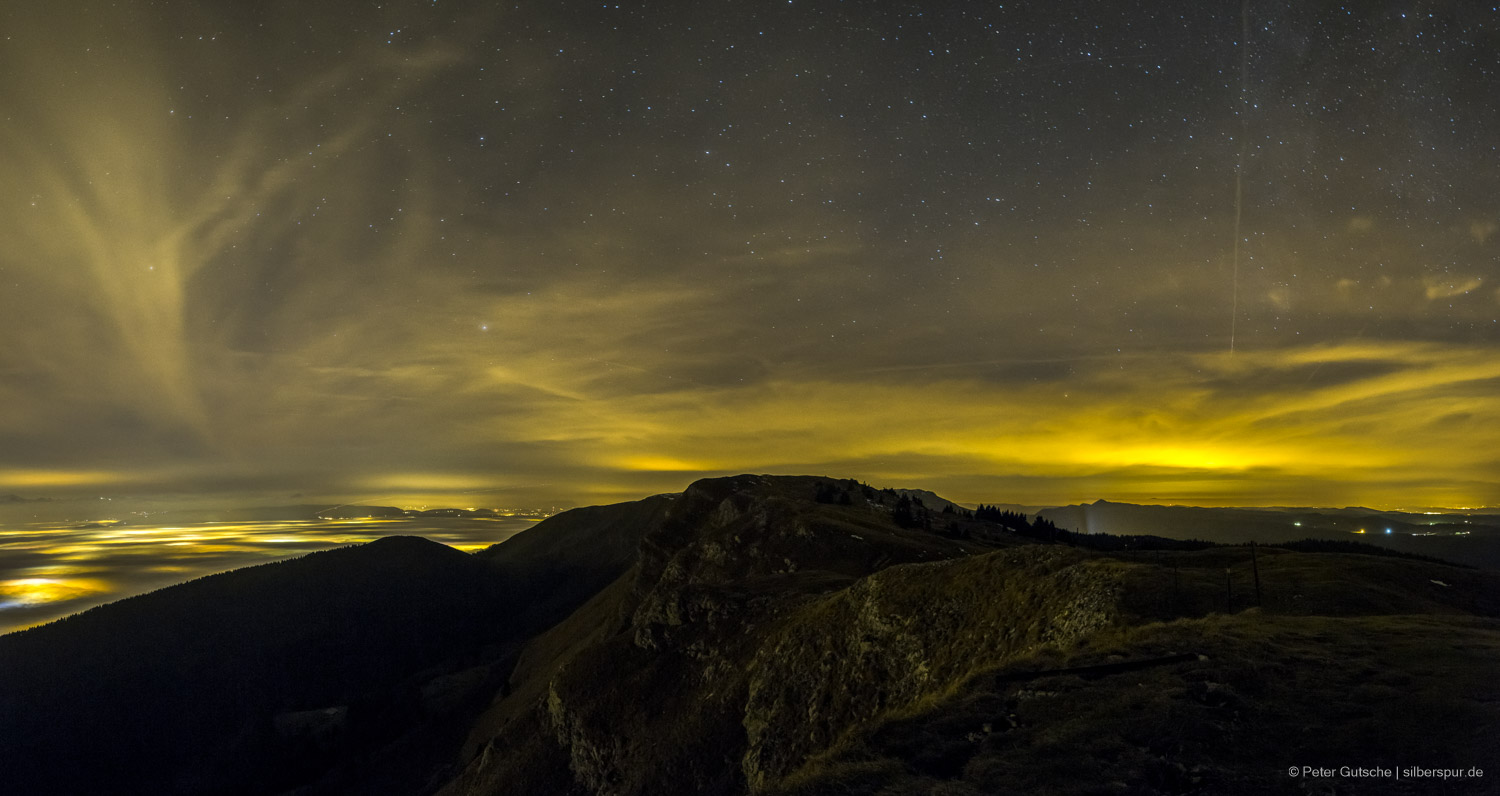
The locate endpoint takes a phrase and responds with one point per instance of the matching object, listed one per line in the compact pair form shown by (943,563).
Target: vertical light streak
(1239,166)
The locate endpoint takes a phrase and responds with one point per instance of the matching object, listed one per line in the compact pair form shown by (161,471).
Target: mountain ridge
(787,635)
(846,651)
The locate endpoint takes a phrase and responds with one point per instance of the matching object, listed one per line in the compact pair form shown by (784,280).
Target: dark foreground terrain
(773,635)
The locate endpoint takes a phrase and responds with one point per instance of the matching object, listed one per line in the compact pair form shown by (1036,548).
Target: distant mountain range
(773,635)
(305,511)
(14,498)
(1466,538)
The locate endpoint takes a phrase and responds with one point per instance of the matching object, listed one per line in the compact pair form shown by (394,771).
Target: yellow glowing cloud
(39,591)
(663,464)
(1429,372)
(1193,458)
(1206,423)
(1448,288)
(122,209)
(122,191)
(15,478)
(426,482)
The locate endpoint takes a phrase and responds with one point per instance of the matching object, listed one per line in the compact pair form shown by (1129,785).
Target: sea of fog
(51,569)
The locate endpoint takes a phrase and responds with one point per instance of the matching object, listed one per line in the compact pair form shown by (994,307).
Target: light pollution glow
(49,570)
(222,275)
(1407,433)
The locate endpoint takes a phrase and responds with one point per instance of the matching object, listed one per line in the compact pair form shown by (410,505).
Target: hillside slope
(244,682)
(769,642)
(354,670)
(779,635)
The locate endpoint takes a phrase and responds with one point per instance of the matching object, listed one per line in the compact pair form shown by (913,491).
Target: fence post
(1255,567)
(1228,593)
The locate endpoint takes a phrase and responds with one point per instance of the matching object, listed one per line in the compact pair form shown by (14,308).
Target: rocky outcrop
(770,625)
(759,623)
(778,635)
(905,633)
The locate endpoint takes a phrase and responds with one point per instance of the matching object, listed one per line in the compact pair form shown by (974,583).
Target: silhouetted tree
(902,513)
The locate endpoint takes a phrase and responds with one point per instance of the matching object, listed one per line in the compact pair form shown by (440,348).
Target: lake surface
(51,570)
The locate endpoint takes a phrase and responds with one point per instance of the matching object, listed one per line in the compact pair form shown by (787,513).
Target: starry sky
(565,252)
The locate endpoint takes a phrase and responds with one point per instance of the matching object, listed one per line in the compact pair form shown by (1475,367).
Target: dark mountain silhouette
(451,513)
(212,686)
(304,672)
(763,634)
(12,497)
(768,643)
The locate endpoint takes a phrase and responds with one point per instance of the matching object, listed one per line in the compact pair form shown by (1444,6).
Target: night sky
(560,252)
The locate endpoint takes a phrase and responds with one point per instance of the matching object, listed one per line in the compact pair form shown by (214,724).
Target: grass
(768,642)
(1266,694)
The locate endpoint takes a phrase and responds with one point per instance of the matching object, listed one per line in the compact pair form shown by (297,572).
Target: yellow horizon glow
(1385,441)
(31,479)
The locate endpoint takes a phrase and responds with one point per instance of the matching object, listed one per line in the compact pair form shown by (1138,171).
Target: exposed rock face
(594,757)
(759,624)
(760,632)
(900,634)
(759,635)
(728,560)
